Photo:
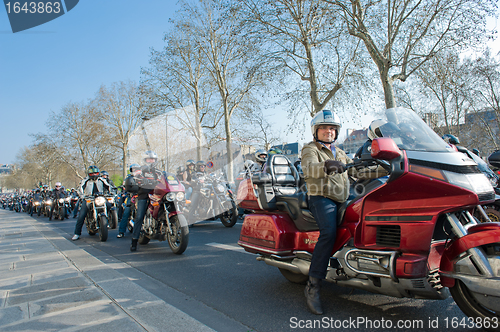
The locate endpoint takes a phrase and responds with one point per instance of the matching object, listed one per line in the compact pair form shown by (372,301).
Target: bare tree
(230,60)
(401,35)
(305,40)
(122,106)
(180,81)
(80,137)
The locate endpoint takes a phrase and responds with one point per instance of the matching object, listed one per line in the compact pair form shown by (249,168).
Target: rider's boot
(133,246)
(312,295)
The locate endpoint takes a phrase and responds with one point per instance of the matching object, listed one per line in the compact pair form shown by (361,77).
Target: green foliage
(117,179)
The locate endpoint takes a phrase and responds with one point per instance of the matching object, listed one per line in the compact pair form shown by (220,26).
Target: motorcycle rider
(260,158)
(105,175)
(324,166)
(188,176)
(146,177)
(90,185)
(126,202)
(37,197)
(57,192)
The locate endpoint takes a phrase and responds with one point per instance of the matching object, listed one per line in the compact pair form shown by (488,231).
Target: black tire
(114,219)
(39,211)
(178,241)
(229,218)
(103,228)
(470,306)
(143,239)
(62,213)
(296,278)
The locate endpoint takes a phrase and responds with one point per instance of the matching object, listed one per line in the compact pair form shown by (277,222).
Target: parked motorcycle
(411,234)
(212,198)
(164,220)
(97,218)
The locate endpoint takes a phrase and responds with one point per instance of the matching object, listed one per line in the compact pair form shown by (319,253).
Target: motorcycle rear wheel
(470,306)
(103,228)
(296,278)
(178,241)
(229,218)
(143,239)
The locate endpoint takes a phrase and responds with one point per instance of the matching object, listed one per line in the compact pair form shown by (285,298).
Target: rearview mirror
(384,148)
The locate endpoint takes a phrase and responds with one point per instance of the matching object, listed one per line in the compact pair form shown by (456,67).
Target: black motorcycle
(97,219)
(212,199)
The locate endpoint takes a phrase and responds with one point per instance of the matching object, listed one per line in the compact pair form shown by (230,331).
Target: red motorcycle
(410,234)
(164,219)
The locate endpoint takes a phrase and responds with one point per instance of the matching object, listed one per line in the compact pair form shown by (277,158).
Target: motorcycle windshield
(410,132)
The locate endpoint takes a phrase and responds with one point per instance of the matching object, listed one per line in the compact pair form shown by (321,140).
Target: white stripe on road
(228,247)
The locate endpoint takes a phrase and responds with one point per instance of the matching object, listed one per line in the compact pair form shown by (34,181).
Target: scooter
(411,234)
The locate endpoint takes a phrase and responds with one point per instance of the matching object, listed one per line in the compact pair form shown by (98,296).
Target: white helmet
(325,117)
(374,129)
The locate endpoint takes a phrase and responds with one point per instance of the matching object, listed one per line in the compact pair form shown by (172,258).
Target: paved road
(220,285)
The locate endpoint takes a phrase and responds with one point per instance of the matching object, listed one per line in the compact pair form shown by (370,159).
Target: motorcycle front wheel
(103,228)
(230,217)
(62,213)
(178,240)
(472,307)
(114,219)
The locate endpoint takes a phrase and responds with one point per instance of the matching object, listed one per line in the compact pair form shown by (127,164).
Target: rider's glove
(334,166)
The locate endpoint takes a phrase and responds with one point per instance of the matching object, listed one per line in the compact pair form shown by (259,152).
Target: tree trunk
(229,151)
(124,162)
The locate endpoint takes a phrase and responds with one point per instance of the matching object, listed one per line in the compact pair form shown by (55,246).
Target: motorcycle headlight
(180,196)
(67,199)
(49,202)
(221,188)
(476,182)
(61,200)
(36,203)
(100,201)
(170,197)
(110,199)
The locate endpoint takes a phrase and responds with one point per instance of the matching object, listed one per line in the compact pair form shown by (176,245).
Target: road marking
(228,247)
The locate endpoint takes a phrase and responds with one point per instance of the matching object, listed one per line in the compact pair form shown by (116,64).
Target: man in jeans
(146,178)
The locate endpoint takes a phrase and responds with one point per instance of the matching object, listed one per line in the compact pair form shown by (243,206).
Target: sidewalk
(47,283)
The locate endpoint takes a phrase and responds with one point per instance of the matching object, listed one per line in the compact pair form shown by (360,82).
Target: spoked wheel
(178,240)
(484,309)
(230,217)
(296,278)
(103,228)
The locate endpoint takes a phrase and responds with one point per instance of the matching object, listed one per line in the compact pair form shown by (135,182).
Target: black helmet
(93,172)
(130,185)
(105,174)
(190,162)
(451,139)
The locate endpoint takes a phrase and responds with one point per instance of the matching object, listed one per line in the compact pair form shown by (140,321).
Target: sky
(67,59)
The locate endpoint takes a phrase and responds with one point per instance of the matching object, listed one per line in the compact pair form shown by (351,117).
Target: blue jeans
(75,211)
(324,211)
(189,191)
(142,206)
(81,218)
(123,222)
